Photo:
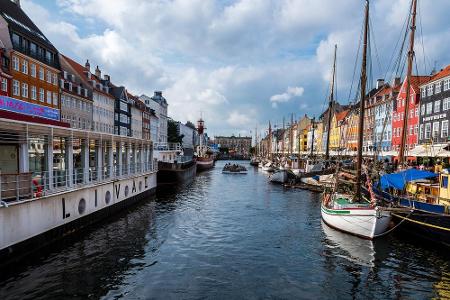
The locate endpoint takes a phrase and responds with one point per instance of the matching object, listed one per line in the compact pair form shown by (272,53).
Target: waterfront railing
(24,186)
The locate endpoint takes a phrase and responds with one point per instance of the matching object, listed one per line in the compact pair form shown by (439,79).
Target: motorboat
(234,169)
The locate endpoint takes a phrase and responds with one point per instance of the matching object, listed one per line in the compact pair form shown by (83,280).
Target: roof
(441,74)
(341,115)
(82,73)
(19,21)
(417,81)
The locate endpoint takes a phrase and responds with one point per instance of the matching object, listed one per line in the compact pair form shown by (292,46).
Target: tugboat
(234,169)
(205,160)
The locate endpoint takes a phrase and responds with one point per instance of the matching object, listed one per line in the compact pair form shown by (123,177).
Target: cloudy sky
(239,63)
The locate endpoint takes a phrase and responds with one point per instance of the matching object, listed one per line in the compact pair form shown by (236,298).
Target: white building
(159,104)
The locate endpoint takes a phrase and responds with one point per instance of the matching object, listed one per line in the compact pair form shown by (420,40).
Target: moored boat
(354,213)
(205,160)
(361,219)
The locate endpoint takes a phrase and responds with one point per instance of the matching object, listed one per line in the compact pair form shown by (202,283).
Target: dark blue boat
(425,220)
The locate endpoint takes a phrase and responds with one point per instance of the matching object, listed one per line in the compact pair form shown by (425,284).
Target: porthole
(107,197)
(126,191)
(81,206)
(140,186)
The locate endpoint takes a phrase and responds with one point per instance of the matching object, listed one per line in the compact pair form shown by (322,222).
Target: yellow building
(318,136)
(336,123)
(304,140)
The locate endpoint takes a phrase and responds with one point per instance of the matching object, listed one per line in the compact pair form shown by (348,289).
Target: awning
(398,180)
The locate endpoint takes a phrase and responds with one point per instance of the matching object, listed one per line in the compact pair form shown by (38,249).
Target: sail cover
(398,180)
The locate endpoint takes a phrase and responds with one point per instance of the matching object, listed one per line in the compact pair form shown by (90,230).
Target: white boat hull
(279,177)
(366,223)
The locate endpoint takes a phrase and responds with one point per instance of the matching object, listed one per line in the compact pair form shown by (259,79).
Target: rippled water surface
(228,237)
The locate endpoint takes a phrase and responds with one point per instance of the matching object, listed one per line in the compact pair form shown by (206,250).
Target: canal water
(228,237)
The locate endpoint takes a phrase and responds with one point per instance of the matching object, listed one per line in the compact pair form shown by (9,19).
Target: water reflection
(229,237)
(356,250)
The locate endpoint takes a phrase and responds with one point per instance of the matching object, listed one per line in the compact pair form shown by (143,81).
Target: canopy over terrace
(59,158)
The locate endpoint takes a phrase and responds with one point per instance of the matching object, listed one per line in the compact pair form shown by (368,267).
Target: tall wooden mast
(362,104)
(408,84)
(312,135)
(270,142)
(330,106)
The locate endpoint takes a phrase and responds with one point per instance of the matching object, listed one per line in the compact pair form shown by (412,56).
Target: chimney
(396,81)
(107,77)
(17,2)
(380,83)
(98,73)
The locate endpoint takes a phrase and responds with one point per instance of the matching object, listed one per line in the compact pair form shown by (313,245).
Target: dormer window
(73,78)
(79,90)
(65,75)
(61,83)
(85,93)
(70,86)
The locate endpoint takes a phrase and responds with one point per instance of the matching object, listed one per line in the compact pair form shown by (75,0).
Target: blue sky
(240,63)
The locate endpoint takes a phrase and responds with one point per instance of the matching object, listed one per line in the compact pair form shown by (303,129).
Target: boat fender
(38,186)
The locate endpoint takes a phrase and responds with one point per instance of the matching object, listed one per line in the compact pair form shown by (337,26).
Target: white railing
(167,146)
(15,187)
(183,158)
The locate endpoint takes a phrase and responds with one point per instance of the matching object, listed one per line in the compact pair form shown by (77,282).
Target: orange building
(34,67)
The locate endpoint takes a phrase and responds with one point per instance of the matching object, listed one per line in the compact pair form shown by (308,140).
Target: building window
(55,99)
(421,132)
(33,93)
(54,79)
(417,111)
(437,106)
(49,77)
(416,128)
(437,88)
(15,63)
(33,70)
(427,130)
(411,113)
(403,102)
(49,97)
(430,90)
(41,95)
(422,109)
(411,127)
(446,84)
(24,90)
(424,92)
(4,85)
(24,67)
(16,88)
(429,108)
(435,129)
(41,73)
(444,129)
(446,104)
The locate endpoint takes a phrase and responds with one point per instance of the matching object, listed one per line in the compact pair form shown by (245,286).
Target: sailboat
(356,213)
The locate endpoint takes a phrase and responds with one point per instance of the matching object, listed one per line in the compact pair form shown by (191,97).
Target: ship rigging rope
(393,228)
(419,222)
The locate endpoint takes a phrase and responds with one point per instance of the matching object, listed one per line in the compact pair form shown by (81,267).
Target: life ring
(38,187)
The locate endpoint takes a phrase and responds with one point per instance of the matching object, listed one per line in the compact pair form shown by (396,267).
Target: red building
(5,77)
(412,113)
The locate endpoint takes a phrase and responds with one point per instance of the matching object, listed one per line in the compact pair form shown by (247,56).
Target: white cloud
(225,58)
(286,96)
(239,119)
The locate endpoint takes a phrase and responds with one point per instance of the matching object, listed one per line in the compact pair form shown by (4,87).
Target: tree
(172,133)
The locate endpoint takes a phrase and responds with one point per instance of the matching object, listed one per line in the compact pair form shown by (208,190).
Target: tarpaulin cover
(398,180)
